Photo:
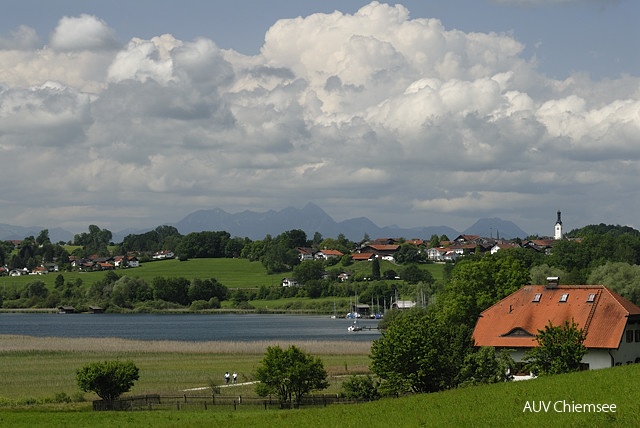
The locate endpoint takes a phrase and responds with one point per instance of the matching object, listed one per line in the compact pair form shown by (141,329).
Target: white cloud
(85,32)
(370,113)
(24,38)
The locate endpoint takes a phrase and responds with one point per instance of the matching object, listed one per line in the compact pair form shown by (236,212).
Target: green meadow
(36,370)
(233,273)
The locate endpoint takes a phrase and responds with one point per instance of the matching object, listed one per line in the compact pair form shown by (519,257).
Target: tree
(486,365)
(108,379)
(620,277)
(289,374)
(476,284)
(560,349)
(309,270)
(375,269)
(419,352)
(363,388)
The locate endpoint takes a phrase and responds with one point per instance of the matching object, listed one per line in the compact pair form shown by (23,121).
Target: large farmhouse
(611,322)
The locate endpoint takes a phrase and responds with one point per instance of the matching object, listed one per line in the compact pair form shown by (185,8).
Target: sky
(419,113)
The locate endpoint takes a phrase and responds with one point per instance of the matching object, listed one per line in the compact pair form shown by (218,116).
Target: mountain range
(311,218)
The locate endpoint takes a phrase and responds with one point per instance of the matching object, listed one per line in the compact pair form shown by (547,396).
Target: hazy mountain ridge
(311,218)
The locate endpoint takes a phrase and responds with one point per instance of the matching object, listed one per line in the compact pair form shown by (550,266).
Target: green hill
(498,405)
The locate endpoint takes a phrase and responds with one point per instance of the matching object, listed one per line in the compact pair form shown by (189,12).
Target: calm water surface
(187,327)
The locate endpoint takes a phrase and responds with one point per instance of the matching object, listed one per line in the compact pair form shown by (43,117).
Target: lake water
(187,327)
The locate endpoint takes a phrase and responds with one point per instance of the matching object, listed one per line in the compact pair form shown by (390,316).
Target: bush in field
(363,388)
(108,379)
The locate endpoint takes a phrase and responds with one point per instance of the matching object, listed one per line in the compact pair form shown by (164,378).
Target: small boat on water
(354,326)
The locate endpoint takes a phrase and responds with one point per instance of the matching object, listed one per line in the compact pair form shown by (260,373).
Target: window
(629,336)
(564,297)
(637,335)
(537,297)
(591,298)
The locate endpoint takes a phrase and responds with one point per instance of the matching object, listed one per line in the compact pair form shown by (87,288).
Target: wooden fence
(184,402)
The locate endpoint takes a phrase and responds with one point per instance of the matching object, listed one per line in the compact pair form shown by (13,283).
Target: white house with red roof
(611,322)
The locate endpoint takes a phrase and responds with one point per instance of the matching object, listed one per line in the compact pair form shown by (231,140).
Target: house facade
(611,323)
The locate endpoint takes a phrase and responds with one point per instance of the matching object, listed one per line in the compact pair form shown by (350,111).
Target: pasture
(41,368)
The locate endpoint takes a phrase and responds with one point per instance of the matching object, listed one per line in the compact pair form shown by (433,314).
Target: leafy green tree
(289,374)
(476,284)
(540,273)
(310,270)
(408,253)
(413,275)
(620,277)
(174,290)
(418,352)
(375,269)
(361,388)
(486,365)
(560,349)
(108,379)
(205,289)
(95,241)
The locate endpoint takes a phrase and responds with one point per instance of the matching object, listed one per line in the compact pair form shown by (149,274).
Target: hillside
(497,405)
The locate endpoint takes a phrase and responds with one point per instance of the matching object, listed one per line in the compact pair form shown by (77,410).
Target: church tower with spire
(558,228)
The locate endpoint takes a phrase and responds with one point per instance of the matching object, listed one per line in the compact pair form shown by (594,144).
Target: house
(305,253)
(289,282)
(358,257)
(328,254)
(164,254)
(66,310)
(436,253)
(126,261)
(344,276)
(403,304)
(503,246)
(384,251)
(611,322)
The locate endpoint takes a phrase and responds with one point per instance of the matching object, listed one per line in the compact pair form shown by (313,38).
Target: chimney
(552,281)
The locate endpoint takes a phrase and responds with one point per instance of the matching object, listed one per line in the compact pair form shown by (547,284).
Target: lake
(187,327)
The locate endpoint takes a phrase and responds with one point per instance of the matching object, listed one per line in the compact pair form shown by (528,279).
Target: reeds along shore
(14,343)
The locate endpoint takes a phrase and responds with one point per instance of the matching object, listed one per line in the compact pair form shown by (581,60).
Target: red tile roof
(515,320)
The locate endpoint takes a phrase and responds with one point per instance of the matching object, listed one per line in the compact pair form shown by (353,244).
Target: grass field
(34,368)
(233,273)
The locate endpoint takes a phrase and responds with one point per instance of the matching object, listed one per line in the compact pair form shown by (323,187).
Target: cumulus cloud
(372,113)
(85,32)
(24,38)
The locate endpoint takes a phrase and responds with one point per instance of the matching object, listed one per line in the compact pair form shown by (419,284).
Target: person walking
(226,377)
(235,377)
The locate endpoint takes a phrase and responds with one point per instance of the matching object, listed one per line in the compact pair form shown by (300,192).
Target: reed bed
(16,343)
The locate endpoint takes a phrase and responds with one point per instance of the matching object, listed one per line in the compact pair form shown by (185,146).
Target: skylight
(536,297)
(591,298)
(564,297)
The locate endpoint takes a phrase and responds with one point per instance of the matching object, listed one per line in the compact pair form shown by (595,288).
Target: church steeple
(558,228)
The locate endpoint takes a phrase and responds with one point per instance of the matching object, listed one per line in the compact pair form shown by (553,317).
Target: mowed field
(34,369)
(233,273)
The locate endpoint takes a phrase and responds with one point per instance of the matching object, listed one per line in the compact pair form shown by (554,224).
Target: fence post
(234,405)
(239,399)
(185,398)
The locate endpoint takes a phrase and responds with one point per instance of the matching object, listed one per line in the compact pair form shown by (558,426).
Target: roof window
(564,297)
(591,298)
(536,297)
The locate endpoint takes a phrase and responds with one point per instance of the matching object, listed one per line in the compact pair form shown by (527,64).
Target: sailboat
(355,326)
(334,316)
